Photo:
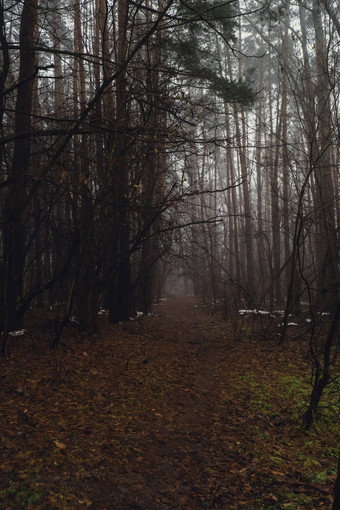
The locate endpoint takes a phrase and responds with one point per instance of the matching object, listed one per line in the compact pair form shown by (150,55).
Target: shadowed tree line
(90,137)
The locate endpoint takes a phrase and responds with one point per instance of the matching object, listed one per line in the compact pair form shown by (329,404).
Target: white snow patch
(256,312)
(19,332)
(138,314)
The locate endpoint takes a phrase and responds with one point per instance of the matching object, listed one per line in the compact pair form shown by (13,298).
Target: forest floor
(178,410)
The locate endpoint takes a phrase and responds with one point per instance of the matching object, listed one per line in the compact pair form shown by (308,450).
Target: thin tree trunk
(234,252)
(260,194)
(275,218)
(322,370)
(285,154)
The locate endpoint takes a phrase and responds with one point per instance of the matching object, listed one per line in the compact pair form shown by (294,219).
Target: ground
(179,410)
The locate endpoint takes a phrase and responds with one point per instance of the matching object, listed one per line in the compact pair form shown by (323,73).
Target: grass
(275,397)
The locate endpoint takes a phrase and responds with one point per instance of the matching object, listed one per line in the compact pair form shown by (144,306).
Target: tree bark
(153,173)
(336,500)
(14,210)
(327,238)
(322,370)
(121,299)
(4,72)
(86,286)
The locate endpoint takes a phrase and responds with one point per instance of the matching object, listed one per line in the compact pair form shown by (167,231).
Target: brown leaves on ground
(175,411)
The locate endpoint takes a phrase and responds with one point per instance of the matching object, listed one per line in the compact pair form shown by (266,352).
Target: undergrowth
(278,397)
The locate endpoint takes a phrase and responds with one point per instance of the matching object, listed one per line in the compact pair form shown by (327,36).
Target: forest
(152,150)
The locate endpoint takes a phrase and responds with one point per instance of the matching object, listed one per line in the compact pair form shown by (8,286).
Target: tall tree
(4,71)
(327,236)
(120,291)
(14,210)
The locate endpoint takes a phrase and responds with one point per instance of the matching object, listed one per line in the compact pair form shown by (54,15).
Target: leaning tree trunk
(322,369)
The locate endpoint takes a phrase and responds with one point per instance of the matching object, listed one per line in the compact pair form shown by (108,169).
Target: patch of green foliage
(323,476)
(195,49)
(21,495)
(290,501)
(276,397)
(296,389)
(329,406)
(260,397)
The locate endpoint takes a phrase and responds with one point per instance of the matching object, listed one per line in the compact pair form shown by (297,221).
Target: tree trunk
(153,173)
(86,286)
(327,238)
(276,219)
(240,130)
(260,194)
(234,250)
(336,500)
(4,72)
(285,154)
(120,294)
(14,217)
(322,370)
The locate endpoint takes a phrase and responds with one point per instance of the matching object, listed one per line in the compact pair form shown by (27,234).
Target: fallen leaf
(59,445)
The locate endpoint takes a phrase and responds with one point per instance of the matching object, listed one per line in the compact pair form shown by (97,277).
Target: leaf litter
(178,410)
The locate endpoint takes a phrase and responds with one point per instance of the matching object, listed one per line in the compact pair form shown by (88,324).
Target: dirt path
(152,414)
(208,427)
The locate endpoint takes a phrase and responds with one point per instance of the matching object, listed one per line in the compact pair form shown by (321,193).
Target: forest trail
(171,411)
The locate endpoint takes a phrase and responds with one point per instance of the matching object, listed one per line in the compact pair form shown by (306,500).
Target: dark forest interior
(169,225)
